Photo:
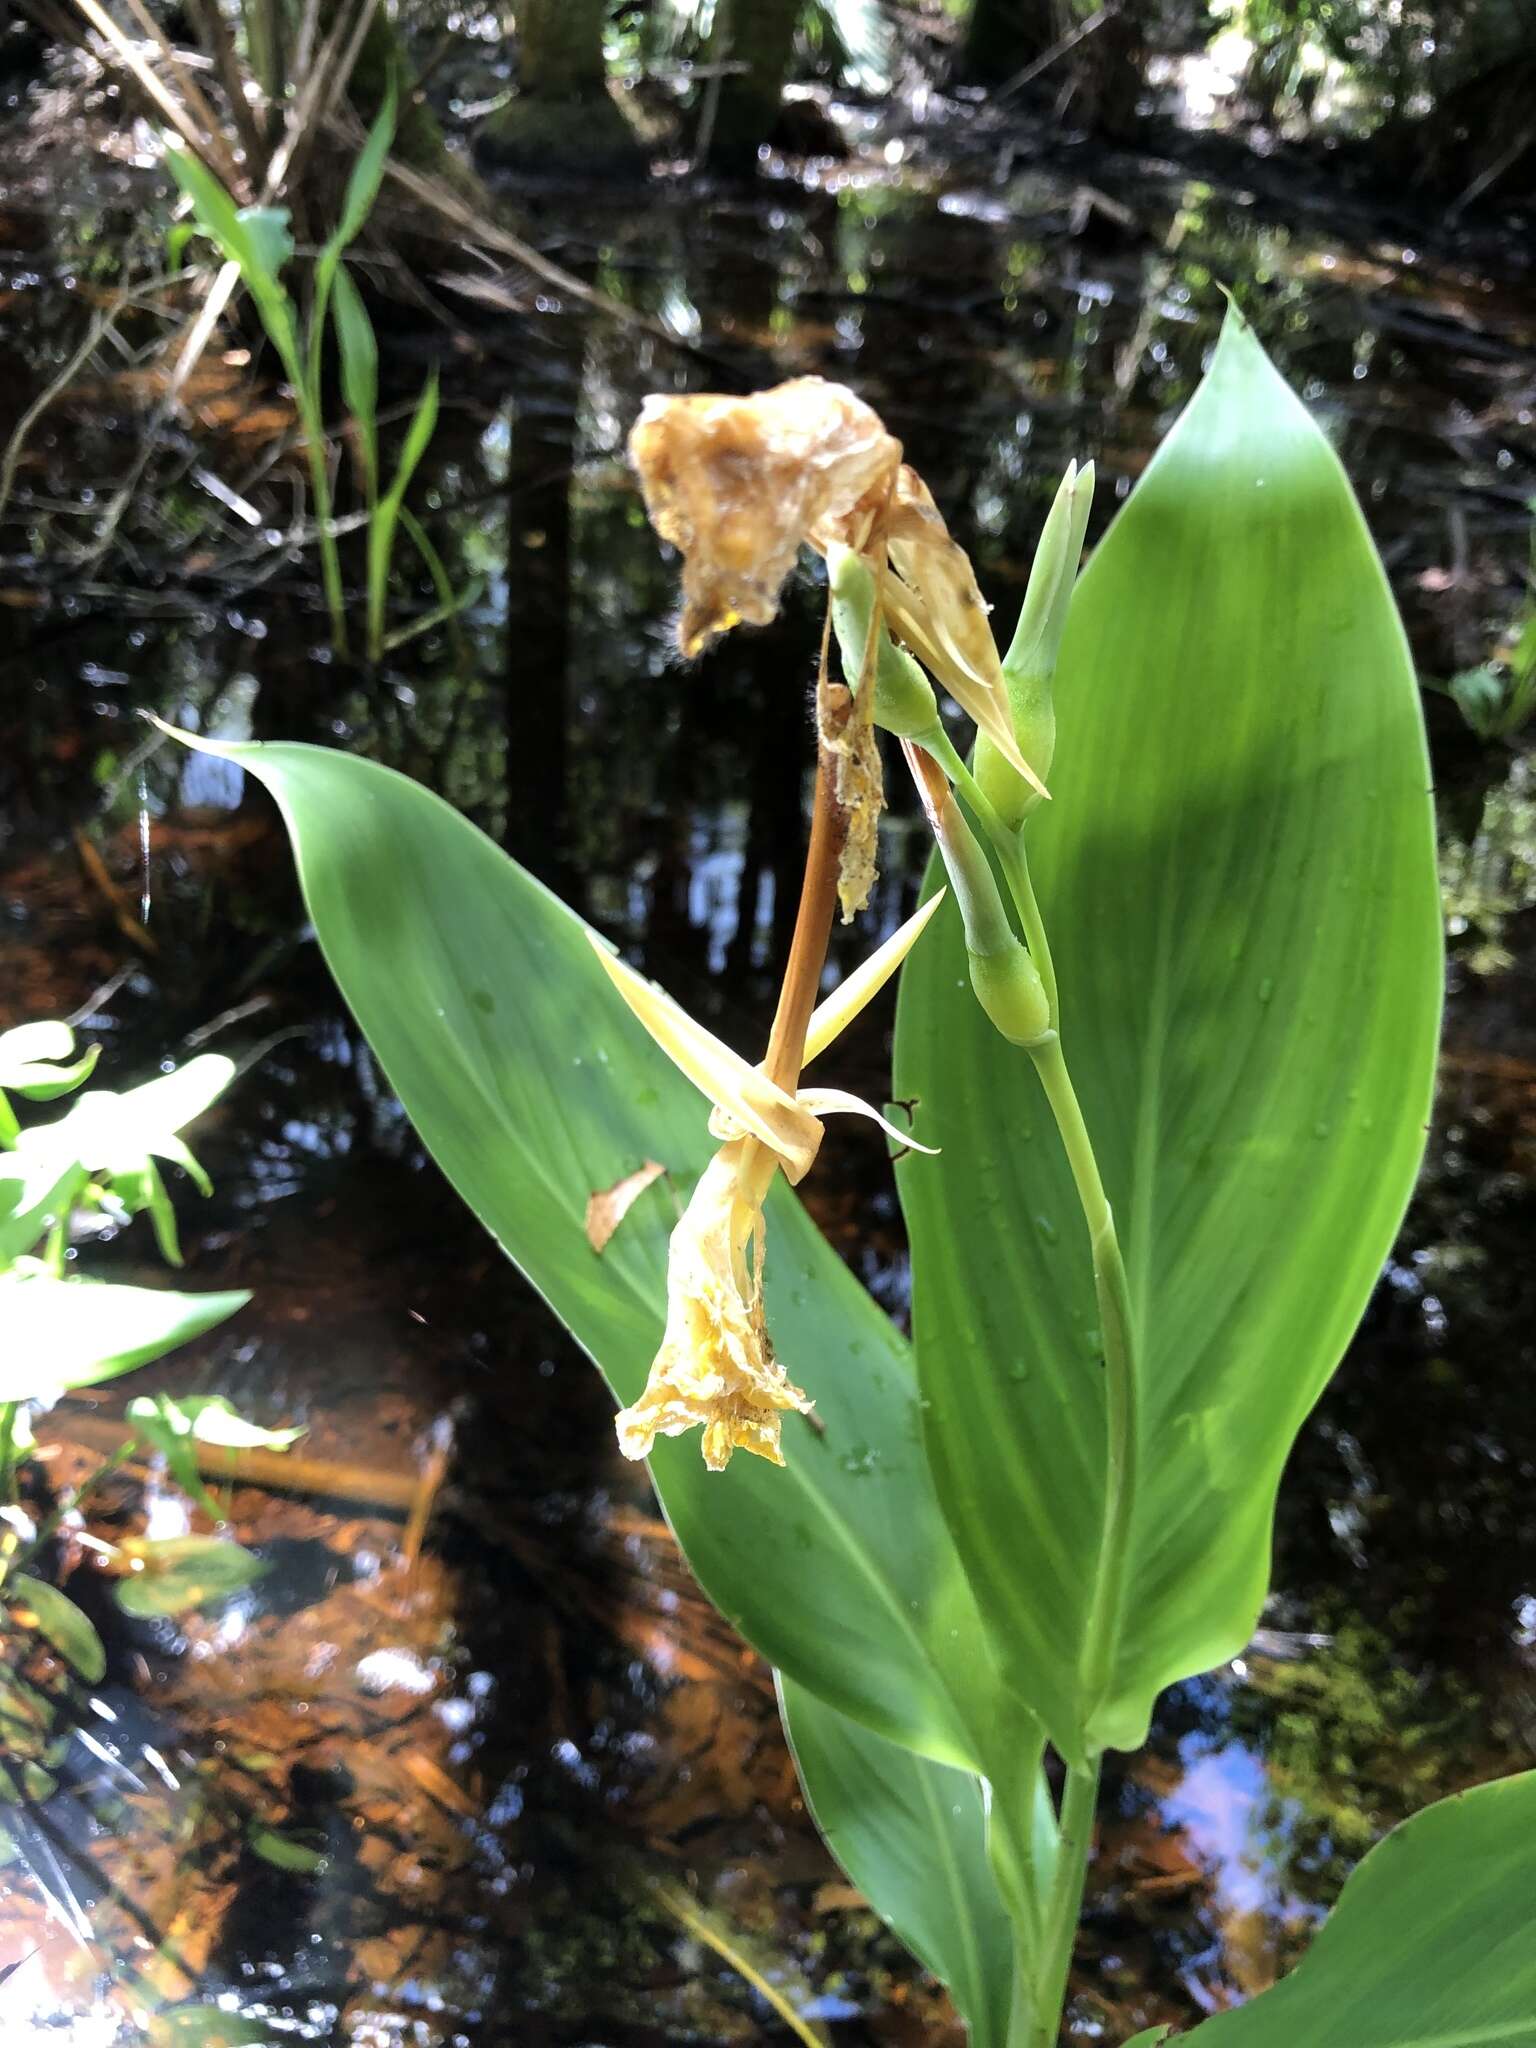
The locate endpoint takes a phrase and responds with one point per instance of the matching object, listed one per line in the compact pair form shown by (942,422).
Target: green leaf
(358,348)
(1432,1943)
(418,436)
(34,1195)
(216,213)
(210,1419)
(22,1702)
(174,1428)
(37,1784)
(37,1060)
(1238,876)
(57,1617)
(182,1572)
(252,240)
(367,175)
(533,1087)
(283,1852)
(911,1834)
(59,1334)
(269,237)
(207,2026)
(117,1136)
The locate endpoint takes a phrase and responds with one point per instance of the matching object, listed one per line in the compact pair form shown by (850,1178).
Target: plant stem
(1010,851)
(1078,1803)
(802,973)
(307,400)
(808,947)
(1111,1291)
(1113,1296)
(943,750)
(51,1523)
(320,490)
(56,1250)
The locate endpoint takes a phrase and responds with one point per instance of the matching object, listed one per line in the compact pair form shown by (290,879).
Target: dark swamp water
(533,1757)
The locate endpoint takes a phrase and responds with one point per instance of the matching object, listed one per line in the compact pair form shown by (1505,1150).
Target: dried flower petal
(935,606)
(715,1369)
(737,483)
(937,568)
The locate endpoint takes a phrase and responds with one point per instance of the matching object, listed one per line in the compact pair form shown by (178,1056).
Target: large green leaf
(1238,875)
(911,1834)
(533,1086)
(1432,1943)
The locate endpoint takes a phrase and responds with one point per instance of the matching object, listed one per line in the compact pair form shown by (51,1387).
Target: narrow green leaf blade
(1432,1943)
(911,1834)
(283,1852)
(1238,875)
(534,1087)
(366,177)
(418,437)
(358,348)
(207,2026)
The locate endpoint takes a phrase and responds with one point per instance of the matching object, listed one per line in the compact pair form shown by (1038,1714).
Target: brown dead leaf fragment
(848,735)
(736,484)
(607,1207)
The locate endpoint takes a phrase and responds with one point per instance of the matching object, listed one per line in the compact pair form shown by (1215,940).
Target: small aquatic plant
(60,1331)
(256,239)
(1173,1033)
(1497,698)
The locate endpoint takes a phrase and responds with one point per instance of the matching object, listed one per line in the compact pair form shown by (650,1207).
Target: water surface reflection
(509,1737)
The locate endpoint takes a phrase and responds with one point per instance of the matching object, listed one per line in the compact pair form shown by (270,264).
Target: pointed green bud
(1029,667)
(904,699)
(1005,979)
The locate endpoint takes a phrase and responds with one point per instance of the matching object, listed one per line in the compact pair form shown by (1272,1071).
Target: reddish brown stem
(813,928)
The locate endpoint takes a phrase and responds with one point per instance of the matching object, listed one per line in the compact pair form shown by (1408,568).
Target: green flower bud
(1009,989)
(1029,667)
(904,699)
(1005,979)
